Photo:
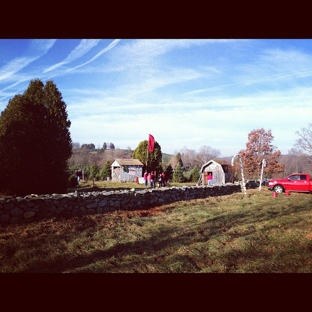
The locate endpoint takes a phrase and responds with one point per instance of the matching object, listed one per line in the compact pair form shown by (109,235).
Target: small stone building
(126,170)
(221,172)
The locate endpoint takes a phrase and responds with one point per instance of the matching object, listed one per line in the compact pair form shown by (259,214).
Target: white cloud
(38,48)
(275,65)
(84,46)
(110,46)
(157,86)
(41,45)
(223,124)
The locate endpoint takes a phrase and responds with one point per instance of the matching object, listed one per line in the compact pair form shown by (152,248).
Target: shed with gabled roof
(126,170)
(221,172)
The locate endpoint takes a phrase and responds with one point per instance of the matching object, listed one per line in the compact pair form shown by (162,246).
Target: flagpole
(150,146)
(146,155)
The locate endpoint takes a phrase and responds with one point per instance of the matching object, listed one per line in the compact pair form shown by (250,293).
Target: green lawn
(253,233)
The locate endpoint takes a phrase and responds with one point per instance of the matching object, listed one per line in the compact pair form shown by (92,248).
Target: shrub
(72,181)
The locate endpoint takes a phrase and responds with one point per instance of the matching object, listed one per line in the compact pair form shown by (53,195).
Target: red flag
(151,142)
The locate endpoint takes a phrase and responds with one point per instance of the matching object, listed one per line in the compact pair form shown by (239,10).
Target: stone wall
(36,207)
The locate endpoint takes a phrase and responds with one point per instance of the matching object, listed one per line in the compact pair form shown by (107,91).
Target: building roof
(211,161)
(127,162)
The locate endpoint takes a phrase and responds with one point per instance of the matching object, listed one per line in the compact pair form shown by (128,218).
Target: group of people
(150,179)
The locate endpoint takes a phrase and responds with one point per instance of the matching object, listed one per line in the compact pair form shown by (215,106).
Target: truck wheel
(278,189)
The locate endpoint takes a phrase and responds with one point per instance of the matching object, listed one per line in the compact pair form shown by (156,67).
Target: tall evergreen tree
(35,142)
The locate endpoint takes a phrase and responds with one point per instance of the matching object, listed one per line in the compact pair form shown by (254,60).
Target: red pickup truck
(296,182)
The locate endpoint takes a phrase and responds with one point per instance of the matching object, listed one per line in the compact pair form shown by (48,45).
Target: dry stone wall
(35,207)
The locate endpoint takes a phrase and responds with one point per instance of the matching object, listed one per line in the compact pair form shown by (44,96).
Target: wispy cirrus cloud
(41,45)
(84,46)
(275,65)
(110,46)
(202,92)
(157,47)
(37,49)
(146,65)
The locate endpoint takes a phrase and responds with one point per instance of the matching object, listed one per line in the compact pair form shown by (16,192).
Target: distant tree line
(108,146)
(91,146)
(92,172)
(185,165)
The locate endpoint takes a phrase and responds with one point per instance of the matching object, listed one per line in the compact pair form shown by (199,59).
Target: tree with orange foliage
(259,147)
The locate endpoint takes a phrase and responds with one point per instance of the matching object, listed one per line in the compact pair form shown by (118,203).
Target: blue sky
(185,92)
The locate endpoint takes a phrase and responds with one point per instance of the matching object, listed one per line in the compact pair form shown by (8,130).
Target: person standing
(149,179)
(152,179)
(160,181)
(77,175)
(163,179)
(145,178)
(209,179)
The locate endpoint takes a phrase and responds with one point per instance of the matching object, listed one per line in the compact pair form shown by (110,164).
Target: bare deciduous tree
(305,140)
(206,153)
(189,157)
(296,161)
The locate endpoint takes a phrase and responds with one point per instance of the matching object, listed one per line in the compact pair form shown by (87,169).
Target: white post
(242,171)
(262,167)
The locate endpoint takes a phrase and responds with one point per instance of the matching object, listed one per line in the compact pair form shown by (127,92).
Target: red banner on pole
(151,142)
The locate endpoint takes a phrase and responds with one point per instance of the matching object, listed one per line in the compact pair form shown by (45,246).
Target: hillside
(85,157)
(111,154)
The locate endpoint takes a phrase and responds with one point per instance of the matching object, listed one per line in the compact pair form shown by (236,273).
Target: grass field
(253,233)
(109,185)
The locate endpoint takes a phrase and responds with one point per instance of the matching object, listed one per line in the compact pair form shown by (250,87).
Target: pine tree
(179,159)
(94,171)
(178,174)
(169,173)
(194,174)
(35,142)
(106,171)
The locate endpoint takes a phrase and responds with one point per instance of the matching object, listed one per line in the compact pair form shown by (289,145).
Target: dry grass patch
(253,233)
